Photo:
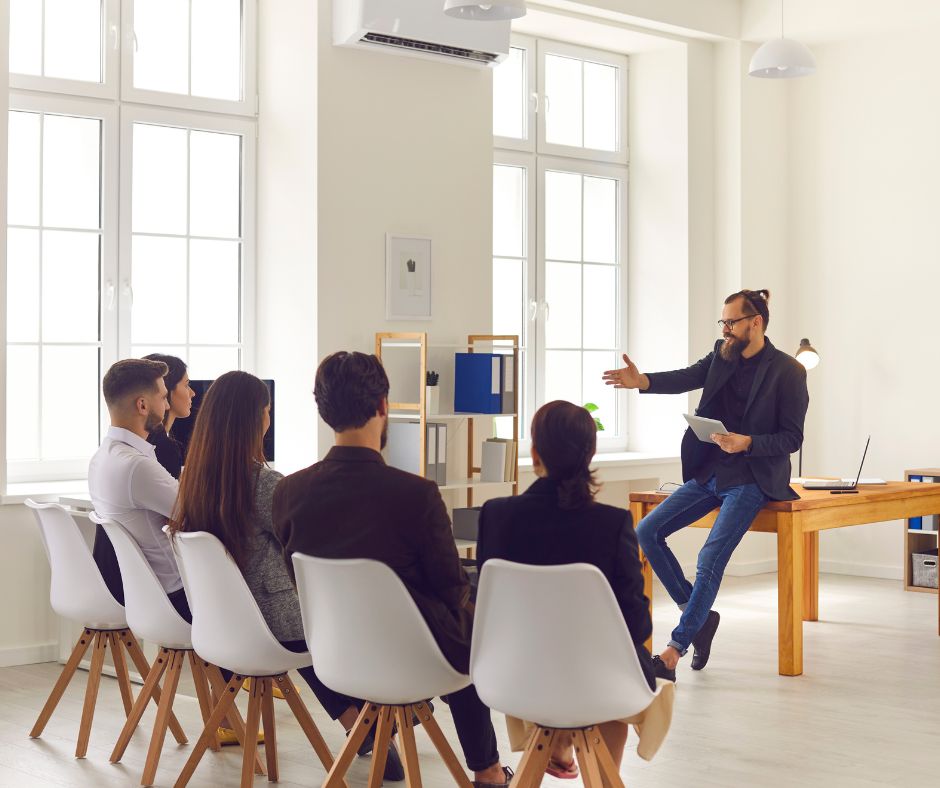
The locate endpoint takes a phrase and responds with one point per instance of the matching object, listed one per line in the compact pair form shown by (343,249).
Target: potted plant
(432,398)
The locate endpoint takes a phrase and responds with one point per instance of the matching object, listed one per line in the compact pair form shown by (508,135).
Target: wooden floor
(865,713)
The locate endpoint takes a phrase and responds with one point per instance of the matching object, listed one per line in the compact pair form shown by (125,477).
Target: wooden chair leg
(234,716)
(609,770)
(440,742)
(91,693)
(270,733)
(251,733)
(81,646)
(143,668)
(590,771)
(383,737)
(120,669)
(198,667)
(531,768)
(223,707)
(164,710)
(409,748)
(309,727)
(364,722)
(146,693)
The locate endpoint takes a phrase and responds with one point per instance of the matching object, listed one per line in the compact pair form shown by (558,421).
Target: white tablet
(705,428)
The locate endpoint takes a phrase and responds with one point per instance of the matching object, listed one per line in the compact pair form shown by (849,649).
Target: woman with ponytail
(557,521)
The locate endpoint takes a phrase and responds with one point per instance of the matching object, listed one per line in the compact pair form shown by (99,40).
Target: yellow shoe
(226,736)
(275,691)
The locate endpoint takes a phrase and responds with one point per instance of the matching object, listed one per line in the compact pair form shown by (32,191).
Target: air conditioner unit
(419,28)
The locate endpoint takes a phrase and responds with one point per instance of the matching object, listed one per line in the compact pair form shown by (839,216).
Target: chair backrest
(550,645)
(228,628)
(150,614)
(77,591)
(366,635)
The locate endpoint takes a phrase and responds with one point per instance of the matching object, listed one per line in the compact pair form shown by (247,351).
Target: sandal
(564,771)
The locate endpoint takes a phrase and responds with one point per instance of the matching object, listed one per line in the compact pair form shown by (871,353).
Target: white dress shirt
(127,484)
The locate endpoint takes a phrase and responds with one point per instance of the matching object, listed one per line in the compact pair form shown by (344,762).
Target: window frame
(528,144)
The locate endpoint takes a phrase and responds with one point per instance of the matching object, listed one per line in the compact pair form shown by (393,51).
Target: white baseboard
(28,655)
(881,571)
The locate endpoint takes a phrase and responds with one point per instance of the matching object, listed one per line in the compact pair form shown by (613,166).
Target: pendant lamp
(782,58)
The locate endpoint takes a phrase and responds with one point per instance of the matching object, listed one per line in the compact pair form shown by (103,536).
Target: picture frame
(407,277)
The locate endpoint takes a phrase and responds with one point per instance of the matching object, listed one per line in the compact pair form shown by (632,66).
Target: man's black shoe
(661,671)
(394,771)
(702,642)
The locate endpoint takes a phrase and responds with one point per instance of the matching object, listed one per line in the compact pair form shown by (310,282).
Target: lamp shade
(806,354)
(782,58)
(495,10)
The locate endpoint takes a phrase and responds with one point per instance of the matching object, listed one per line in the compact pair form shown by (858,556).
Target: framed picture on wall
(407,277)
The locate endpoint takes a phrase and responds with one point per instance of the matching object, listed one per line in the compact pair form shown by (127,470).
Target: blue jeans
(692,501)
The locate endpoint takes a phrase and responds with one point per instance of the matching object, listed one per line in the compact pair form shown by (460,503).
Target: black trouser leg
(474,729)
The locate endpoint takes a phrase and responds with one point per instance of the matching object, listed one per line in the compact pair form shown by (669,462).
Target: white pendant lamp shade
(782,58)
(492,11)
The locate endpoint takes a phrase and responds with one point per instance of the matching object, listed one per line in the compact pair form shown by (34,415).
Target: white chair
(369,640)
(520,667)
(78,592)
(228,630)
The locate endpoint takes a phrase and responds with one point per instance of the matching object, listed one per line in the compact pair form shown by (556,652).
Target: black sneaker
(661,671)
(702,642)
(506,770)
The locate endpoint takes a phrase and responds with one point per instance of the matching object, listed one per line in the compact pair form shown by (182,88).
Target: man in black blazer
(760,395)
(353,505)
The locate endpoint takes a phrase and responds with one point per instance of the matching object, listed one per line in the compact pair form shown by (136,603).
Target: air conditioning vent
(433,49)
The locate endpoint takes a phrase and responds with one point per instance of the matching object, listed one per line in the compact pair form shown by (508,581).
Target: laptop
(827,484)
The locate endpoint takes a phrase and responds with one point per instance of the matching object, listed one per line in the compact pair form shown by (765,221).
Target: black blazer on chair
(532,529)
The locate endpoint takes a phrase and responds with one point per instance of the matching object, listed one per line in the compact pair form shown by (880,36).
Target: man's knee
(646,533)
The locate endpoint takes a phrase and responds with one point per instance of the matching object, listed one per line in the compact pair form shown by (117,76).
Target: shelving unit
(917,540)
(418,410)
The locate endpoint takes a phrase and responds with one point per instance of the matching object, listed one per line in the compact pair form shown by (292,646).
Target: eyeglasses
(730,323)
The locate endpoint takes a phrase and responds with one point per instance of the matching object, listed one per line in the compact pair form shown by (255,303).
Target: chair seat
(386,695)
(109,622)
(275,661)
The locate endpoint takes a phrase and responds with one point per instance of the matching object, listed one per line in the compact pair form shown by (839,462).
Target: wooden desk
(797,525)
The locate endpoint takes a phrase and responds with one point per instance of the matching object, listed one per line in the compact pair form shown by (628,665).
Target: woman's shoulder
(268,479)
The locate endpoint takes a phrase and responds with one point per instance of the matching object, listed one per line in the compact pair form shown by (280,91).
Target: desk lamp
(806,354)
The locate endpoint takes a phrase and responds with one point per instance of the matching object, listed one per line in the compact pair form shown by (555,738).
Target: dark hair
(349,389)
(217,486)
(565,437)
(176,370)
(758,300)
(131,376)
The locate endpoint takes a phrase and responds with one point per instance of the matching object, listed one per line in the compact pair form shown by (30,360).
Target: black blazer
(773,416)
(532,529)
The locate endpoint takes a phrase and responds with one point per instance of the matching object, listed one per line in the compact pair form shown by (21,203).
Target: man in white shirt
(126,482)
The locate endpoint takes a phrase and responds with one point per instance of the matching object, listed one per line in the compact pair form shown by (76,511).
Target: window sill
(42,491)
(618,459)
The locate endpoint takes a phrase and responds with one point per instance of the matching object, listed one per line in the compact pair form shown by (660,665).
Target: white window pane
(562,215)
(563,91)
(26,37)
(563,376)
(215,173)
(73,39)
(509,96)
(217,49)
(139,351)
(22,285)
(207,363)
(508,296)
(600,306)
(159,179)
(71,172)
(69,402)
(158,268)
(23,173)
(161,54)
(70,286)
(509,210)
(563,294)
(596,391)
(22,382)
(600,220)
(213,291)
(600,107)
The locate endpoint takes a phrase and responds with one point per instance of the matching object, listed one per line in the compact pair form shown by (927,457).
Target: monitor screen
(183,428)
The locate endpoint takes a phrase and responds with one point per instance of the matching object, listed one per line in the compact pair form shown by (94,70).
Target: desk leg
(639,511)
(811,576)
(790,594)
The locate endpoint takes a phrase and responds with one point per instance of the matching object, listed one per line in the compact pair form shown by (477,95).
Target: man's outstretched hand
(629,377)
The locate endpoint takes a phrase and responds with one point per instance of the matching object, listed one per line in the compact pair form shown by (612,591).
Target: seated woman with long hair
(226,489)
(557,521)
(179,397)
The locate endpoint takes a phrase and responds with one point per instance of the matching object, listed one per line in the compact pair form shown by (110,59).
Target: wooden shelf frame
(916,540)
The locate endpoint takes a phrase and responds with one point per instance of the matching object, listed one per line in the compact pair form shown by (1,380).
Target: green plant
(590,407)
(431,377)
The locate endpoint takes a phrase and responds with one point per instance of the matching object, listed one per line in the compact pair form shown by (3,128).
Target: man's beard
(153,421)
(731,351)
(384,438)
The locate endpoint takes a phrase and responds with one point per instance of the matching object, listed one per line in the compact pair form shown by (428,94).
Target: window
(559,220)
(101,267)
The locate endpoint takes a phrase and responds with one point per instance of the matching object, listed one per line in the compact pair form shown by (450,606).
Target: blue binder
(478,383)
(915,523)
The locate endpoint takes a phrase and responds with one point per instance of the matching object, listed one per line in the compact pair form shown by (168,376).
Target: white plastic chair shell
(228,628)
(366,635)
(582,674)
(150,614)
(77,592)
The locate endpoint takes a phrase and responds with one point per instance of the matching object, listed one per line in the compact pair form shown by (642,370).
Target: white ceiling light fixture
(782,58)
(493,11)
